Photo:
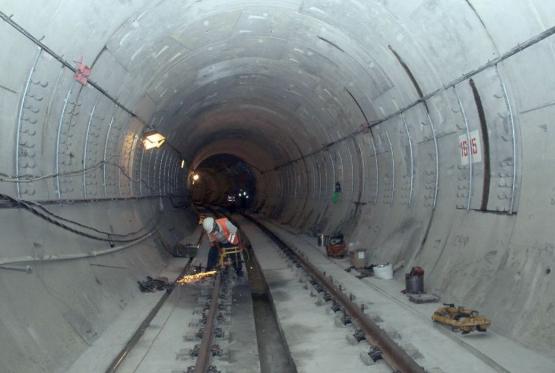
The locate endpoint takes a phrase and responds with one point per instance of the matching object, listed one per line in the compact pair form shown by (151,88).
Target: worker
(222,234)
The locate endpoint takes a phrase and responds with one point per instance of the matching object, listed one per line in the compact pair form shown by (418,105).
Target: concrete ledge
(98,357)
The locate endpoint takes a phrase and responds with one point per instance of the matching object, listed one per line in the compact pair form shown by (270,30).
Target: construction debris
(151,285)
(423,298)
(363,272)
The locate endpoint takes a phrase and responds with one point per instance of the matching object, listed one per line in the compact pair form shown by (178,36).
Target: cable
(38,205)
(47,215)
(31,178)
(5,178)
(75,256)
(29,206)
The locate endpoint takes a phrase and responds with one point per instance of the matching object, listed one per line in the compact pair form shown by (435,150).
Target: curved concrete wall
(379,96)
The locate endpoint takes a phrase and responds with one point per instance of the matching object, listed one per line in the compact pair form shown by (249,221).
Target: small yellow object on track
(461,319)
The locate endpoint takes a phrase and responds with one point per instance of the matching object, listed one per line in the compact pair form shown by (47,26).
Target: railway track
(209,326)
(381,345)
(212,314)
(209,308)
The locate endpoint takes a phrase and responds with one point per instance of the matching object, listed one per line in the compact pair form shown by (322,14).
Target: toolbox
(335,247)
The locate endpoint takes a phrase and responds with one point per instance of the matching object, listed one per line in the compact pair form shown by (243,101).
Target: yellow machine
(226,252)
(461,319)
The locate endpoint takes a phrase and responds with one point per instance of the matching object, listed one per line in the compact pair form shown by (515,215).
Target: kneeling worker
(222,234)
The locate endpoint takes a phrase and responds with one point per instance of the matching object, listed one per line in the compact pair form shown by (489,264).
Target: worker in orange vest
(222,234)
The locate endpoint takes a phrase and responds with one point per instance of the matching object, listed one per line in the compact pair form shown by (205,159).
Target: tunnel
(223,180)
(417,130)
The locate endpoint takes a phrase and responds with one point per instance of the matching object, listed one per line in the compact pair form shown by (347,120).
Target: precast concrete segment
(105,154)
(85,151)
(20,118)
(58,140)
(513,140)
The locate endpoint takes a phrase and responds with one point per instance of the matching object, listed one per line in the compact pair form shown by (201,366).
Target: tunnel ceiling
(295,76)
(281,72)
(330,91)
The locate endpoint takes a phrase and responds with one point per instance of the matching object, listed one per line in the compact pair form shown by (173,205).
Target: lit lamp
(182,163)
(153,139)
(196,177)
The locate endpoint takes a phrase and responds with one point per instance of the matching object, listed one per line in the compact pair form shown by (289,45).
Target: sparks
(189,279)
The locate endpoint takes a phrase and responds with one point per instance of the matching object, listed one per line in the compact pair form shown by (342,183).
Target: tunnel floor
(276,321)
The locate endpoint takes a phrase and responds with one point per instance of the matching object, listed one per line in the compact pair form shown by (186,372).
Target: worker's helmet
(208,224)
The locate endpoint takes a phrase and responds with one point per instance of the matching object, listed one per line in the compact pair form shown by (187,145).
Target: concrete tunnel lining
(376,95)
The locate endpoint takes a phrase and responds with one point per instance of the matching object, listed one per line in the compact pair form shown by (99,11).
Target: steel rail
(205,349)
(392,353)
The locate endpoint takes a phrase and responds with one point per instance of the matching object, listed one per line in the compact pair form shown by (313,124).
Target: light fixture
(196,177)
(153,139)
(182,163)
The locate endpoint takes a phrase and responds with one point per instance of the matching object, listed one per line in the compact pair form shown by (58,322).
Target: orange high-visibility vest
(232,238)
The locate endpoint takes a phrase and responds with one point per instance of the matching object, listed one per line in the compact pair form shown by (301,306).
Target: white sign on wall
(474,148)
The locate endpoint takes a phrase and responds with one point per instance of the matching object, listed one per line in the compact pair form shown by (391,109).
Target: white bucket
(384,271)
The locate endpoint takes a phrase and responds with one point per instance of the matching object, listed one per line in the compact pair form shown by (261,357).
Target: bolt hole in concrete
(272,347)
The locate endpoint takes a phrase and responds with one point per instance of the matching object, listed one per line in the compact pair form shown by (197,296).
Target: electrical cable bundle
(70,225)
(31,178)
(75,227)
